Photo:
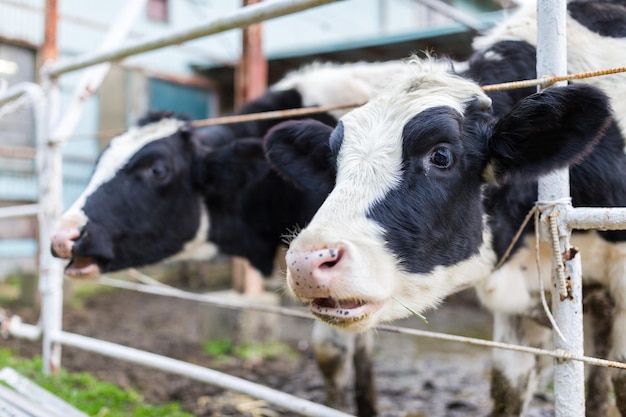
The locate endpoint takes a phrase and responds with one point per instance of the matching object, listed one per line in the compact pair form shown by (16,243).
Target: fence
(559,218)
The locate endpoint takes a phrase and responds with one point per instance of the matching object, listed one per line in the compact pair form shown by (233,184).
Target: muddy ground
(416,377)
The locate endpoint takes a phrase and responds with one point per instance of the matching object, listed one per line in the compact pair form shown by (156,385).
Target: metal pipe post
(50,177)
(569,379)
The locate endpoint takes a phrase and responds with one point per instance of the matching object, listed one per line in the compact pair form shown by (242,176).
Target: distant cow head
(164,191)
(141,205)
(404,224)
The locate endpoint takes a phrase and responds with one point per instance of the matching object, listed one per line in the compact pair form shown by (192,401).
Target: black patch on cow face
(605,18)
(146,212)
(434,216)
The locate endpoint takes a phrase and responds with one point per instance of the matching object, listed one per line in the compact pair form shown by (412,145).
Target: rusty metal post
(49,51)
(250,83)
(251,72)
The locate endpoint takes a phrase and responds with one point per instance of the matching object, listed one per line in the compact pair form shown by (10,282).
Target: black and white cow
(162,191)
(433,180)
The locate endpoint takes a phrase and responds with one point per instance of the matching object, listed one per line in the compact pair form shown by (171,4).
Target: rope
(539,207)
(276,114)
(305,111)
(166,290)
(554,232)
(223,120)
(542,290)
(551,79)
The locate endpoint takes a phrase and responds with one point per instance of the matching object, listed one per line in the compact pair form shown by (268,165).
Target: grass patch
(223,349)
(9,289)
(85,392)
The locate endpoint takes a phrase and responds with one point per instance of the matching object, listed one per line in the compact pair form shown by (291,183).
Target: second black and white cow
(432,182)
(162,191)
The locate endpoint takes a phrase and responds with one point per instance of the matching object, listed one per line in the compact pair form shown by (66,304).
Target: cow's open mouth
(82,267)
(342,313)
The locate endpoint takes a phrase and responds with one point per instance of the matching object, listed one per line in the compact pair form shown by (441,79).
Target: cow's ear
(298,150)
(229,168)
(546,131)
(248,162)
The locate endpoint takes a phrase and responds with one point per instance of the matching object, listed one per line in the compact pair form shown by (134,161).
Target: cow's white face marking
(369,166)
(113,158)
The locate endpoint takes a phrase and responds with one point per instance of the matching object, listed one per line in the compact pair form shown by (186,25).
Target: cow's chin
(350,315)
(82,267)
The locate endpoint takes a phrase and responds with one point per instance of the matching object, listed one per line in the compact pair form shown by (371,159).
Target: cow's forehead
(371,149)
(370,128)
(120,150)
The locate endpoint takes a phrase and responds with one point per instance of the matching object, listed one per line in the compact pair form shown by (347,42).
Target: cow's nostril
(335,255)
(328,264)
(63,241)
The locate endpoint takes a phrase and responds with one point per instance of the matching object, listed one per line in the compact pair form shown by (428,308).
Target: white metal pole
(50,177)
(569,389)
(199,373)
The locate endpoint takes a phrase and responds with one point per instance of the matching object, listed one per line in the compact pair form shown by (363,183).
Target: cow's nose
(312,271)
(63,241)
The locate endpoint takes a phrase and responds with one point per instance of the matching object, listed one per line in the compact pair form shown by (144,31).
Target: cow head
(404,225)
(157,188)
(142,204)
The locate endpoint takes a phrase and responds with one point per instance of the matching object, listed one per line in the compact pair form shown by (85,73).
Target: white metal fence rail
(551,60)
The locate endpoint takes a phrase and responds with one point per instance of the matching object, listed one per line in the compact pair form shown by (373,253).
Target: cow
(433,177)
(225,198)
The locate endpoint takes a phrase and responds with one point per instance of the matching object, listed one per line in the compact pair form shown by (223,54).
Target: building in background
(195,78)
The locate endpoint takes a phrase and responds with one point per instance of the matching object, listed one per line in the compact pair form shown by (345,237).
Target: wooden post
(250,82)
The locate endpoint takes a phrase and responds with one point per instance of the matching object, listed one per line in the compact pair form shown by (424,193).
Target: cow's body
(432,184)
(162,191)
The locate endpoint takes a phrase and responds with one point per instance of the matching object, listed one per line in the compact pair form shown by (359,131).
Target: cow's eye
(159,170)
(156,171)
(441,157)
